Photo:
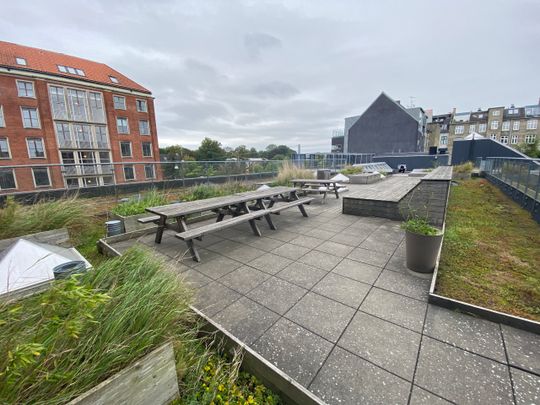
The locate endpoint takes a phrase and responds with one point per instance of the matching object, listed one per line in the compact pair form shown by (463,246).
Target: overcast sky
(288,72)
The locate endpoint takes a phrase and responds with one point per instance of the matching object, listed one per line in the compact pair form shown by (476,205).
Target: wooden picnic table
(307,184)
(235,205)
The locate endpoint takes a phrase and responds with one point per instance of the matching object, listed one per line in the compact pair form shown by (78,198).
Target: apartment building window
(459,129)
(142,106)
(2,121)
(35,148)
(494,124)
(514,139)
(125,149)
(515,125)
(530,138)
(496,113)
(129,172)
(472,128)
(20,61)
(63,134)
(149,171)
(101,137)
(5,153)
(82,134)
(58,103)
(443,141)
(506,126)
(119,102)
(147,149)
(7,179)
(41,176)
(25,89)
(482,127)
(96,107)
(30,117)
(532,124)
(122,125)
(144,127)
(78,104)
(504,139)
(72,183)
(493,136)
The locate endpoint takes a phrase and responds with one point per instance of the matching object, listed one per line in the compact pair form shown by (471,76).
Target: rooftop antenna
(411,101)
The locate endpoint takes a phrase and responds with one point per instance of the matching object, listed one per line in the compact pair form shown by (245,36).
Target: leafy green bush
(204,191)
(153,198)
(420,226)
(348,170)
(17,219)
(464,168)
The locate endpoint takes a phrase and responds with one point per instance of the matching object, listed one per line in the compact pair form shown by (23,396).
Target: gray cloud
(259,72)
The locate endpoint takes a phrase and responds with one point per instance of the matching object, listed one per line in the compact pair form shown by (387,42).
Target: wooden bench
(147,220)
(296,203)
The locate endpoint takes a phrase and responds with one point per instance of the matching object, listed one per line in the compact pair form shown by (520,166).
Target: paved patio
(329,301)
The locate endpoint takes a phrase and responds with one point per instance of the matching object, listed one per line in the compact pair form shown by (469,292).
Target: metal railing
(333,161)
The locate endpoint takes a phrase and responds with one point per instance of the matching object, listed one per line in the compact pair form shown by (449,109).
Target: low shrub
(136,206)
(420,226)
(348,170)
(464,168)
(204,191)
(288,171)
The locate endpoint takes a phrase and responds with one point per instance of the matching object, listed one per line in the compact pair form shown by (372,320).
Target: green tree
(210,150)
(530,149)
(278,152)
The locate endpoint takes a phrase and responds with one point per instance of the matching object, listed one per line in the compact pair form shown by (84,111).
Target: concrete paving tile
(342,289)
(294,350)
(397,263)
(195,279)
(306,241)
(205,254)
(395,308)
(526,387)
(460,376)
(321,233)
(348,379)
(523,348)
(321,260)
(301,274)
(209,240)
(379,246)
(244,279)
(369,256)
(245,254)
(331,226)
(246,319)
(224,246)
(321,315)
(348,240)
(218,267)
(290,251)
(265,243)
(387,345)
(283,235)
(270,263)
(334,248)
(213,297)
(420,396)
(358,271)
(467,332)
(277,294)
(388,234)
(409,285)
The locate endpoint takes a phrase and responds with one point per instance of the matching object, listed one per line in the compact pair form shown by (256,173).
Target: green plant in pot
(422,244)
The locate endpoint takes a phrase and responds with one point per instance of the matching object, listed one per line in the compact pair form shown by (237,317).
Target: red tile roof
(40,60)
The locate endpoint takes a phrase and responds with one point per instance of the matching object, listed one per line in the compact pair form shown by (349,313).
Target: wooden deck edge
(289,390)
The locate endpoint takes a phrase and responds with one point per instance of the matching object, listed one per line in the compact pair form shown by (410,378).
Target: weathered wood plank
(150,380)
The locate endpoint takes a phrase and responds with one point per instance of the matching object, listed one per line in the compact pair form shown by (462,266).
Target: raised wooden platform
(392,189)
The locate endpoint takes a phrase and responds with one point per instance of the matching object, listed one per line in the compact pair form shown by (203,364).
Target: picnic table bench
(318,186)
(266,202)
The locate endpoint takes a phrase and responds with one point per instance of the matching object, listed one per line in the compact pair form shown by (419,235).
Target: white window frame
(482,127)
(153,171)
(148,126)
(532,124)
(493,137)
(21,61)
(443,140)
(142,149)
(504,139)
(505,126)
(460,129)
(472,128)
(42,144)
(514,139)
(14,179)
(530,138)
(134,172)
(25,82)
(113,79)
(116,96)
(37,116)
(515,125)
(118,127)
(494,124)
(2,119)
(496,113)
(48,176)
(130,149)
(8,148)
(145,102)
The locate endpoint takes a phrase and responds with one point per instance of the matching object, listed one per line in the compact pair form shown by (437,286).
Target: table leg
(193,250)
(161,227)
(336,190)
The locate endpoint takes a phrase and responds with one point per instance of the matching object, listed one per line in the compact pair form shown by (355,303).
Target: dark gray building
(386,127)
(337,144)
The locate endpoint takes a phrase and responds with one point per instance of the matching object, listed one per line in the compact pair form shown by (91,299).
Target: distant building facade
(386,127)
(510,126)
(76,114)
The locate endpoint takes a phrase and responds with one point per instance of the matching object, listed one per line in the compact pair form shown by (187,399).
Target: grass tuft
(288,171)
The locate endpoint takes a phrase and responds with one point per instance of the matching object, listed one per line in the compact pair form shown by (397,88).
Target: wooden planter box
(364,178)
(150,380)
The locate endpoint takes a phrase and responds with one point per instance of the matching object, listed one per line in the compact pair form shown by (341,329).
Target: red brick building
(70,118)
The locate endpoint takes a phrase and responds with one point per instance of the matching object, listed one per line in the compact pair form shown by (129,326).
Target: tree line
(211,149)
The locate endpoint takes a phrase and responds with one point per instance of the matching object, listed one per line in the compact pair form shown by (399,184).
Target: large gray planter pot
(422,251)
